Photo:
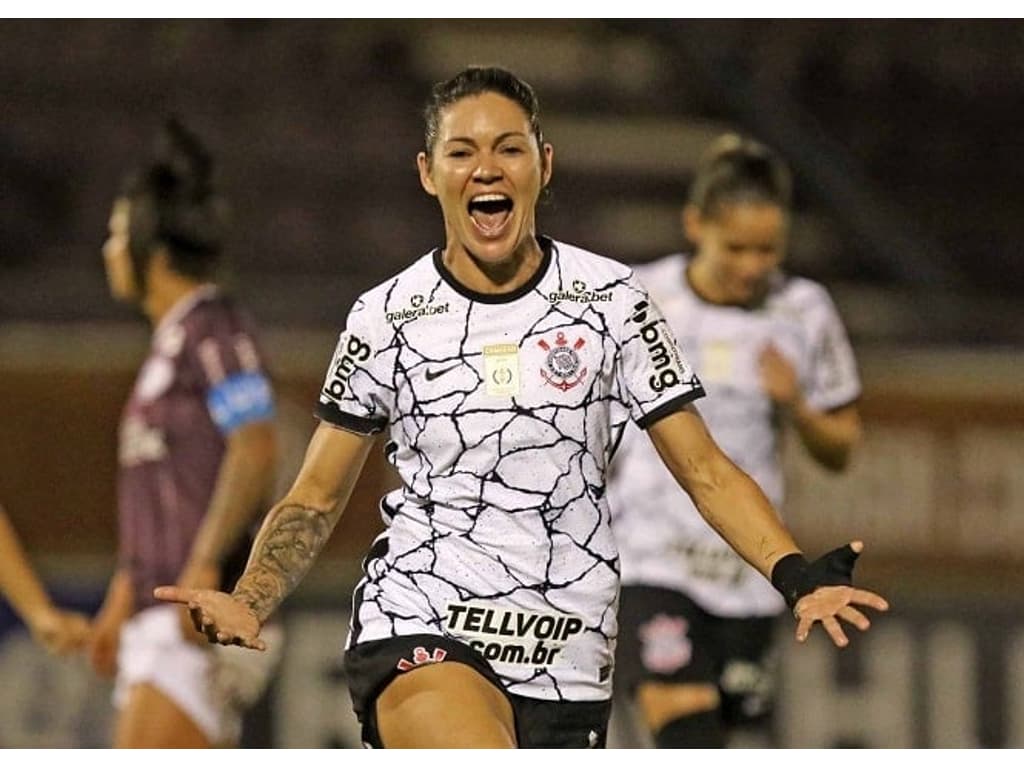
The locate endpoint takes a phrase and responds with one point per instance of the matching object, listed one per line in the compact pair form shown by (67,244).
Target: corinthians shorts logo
(665,644)
(510,636)
(563,362)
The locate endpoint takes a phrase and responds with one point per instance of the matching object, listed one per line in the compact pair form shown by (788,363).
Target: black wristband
(794,577)
(789,576)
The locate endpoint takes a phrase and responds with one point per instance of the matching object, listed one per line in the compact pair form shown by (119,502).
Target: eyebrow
(500,138)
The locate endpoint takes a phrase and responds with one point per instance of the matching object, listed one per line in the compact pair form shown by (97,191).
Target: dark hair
(474,81)
(735,169)
(172,204)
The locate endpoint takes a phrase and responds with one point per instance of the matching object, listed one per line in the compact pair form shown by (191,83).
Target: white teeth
(488,198)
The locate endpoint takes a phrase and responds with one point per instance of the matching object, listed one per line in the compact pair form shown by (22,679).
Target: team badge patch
(562,362)
(665,646)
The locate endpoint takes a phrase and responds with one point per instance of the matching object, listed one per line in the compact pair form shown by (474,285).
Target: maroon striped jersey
(204,378)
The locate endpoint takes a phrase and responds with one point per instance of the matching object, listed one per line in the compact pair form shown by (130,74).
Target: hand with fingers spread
(218,615)
(197,577)
(823,591)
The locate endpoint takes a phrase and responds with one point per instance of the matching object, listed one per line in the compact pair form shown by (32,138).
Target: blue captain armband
(240,399)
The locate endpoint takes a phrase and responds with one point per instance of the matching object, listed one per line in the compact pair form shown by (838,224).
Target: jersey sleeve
(832,380)
(232,374)
(655,375)
(358,391)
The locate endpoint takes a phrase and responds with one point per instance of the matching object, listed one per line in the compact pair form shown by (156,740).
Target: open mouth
(490,212)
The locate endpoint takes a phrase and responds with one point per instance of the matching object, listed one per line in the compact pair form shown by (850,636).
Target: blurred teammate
(56,630)
(696,622)
(503,366)
(196,457)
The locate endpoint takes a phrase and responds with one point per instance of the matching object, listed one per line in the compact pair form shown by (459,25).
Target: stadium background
(906,140)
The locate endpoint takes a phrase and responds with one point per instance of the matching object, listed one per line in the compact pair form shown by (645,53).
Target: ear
(547,158)
(693,223)
(423,163)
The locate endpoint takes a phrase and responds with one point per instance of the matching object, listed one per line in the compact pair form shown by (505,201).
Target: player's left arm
(240,400)
(243,484)
(735,506)
(726,496)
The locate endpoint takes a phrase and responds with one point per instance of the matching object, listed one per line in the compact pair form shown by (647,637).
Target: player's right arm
(290,539)
(829,435)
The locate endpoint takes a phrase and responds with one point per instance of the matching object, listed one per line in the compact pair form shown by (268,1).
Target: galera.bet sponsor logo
(579,294)
(416,310)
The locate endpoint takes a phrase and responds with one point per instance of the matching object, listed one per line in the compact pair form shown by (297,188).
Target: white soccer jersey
(503,412)
(663,540)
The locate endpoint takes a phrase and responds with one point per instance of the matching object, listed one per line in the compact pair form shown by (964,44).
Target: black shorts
(372,665)
(666,637)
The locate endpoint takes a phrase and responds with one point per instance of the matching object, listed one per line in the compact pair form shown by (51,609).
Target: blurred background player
(56,630)
(196,458)
(696,622)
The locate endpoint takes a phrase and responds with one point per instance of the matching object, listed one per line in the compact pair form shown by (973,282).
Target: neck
(702,282)
(165,289)
(494,277)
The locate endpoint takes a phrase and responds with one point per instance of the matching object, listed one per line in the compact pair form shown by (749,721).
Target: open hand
(217,615)
(195,577)
(828,604)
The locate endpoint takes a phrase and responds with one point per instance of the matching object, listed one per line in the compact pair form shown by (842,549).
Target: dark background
(907,138)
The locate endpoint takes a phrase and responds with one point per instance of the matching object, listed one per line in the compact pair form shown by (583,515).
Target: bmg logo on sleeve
(349,355)
(663,355)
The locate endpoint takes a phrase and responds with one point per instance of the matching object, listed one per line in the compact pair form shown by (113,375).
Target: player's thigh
(661,703)
(151,720)
(444,705)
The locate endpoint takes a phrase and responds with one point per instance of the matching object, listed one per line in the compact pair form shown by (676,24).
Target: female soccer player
(696,622)
(196,453)
(503,367)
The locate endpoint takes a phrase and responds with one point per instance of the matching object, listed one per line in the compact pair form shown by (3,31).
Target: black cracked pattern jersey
(503,412)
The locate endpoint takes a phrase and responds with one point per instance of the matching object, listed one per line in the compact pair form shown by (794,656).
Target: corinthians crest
(562,362)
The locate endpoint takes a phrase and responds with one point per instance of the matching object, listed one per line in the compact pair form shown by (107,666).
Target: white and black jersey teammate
(697,623)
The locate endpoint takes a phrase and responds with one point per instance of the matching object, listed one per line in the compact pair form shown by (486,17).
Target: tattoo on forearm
(281,556)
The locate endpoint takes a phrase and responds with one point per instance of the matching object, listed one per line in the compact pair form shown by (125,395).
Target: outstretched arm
(734,505)
(57,631)
(293,534)
(244,481)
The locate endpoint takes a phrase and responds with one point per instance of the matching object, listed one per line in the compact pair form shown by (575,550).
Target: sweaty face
(120,272)
(487,172)
(739,247)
